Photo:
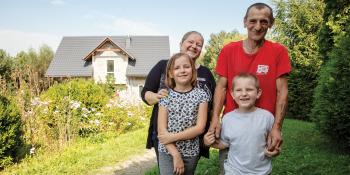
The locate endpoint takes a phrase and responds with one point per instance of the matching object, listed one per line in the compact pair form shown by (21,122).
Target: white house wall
(134,85)
(99,62)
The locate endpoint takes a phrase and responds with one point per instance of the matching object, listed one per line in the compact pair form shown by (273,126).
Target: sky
(30,24)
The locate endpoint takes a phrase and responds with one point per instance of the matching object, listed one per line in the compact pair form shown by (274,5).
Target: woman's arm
(189,133)
(149,92)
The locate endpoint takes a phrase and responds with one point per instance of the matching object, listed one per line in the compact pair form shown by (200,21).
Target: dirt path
(136,165)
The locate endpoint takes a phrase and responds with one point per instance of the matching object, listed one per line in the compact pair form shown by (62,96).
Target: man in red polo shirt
(269,61)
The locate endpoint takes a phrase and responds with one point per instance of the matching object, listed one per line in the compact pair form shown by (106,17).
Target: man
(267,60)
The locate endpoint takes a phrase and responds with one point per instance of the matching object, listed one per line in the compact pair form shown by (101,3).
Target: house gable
(72,57)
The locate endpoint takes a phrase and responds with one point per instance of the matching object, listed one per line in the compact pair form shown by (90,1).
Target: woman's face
(192,46)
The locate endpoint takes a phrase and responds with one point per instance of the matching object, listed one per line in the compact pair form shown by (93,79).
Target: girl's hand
(209,138)
(273,153)
(166,138)
(179,167)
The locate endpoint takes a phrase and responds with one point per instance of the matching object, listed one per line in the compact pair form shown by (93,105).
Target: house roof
(69,57)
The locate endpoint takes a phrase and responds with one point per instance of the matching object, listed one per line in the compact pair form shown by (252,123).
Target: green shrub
(10,131)
(123,113)
(331,100)
(64,111)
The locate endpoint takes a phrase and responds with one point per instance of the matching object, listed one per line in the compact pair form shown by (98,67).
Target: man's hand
(215,127)
(274,140)
(165,138)
(273,153)
(179,167)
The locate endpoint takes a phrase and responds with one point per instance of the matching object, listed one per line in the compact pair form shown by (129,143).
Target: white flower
(98,114)
(32,150)
(97,122)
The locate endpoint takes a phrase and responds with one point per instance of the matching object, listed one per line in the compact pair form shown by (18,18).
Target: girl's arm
(189,133)
(162,127)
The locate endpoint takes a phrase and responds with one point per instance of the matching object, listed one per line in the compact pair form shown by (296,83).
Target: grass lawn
(304,152)
(86,156)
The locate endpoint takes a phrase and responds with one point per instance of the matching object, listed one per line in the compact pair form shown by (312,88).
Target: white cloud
(126,26)
(13,41)
(57,2)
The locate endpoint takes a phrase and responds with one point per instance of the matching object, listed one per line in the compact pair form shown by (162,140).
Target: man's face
(257,23)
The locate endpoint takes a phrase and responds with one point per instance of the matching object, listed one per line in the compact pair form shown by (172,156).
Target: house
(125,59)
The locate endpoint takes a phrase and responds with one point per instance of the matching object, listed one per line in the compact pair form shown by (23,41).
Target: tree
(216,42)
(336,18)
(296,26)
(332,101)
(5,66)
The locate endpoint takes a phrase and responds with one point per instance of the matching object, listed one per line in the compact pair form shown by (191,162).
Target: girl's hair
(246,75)
(170,82)
(186,35)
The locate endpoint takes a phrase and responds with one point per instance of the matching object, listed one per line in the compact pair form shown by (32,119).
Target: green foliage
(65,111)
(332,101)
(10,131)
(336,19)
(216,42)
(296,26)
(5,66)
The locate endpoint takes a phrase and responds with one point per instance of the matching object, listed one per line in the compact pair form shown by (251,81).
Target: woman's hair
(186,35)
(246,75)
(170,82)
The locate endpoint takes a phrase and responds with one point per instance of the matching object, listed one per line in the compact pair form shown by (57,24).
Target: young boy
(245,130)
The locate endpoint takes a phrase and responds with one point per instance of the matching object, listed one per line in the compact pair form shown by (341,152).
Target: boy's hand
(165,138)
(179,167)
(273,153)
(209,138)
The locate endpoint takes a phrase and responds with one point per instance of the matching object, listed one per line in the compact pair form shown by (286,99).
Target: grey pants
(166,165)
(222,157)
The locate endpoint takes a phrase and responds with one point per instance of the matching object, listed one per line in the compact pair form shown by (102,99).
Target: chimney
(128,42)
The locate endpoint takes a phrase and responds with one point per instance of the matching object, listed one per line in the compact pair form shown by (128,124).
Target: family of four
(252,87)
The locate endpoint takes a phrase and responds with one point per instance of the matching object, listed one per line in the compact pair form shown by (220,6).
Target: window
(110,69)
(140,89)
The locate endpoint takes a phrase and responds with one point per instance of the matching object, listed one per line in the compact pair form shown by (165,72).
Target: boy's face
(245,93)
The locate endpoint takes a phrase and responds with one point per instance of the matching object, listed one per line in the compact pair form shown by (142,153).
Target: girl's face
(192,46)
(182,71)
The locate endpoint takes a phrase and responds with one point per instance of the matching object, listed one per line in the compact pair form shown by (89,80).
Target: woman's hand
(153,98)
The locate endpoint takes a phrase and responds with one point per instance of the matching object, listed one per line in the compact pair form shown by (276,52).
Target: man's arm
(218,103)
(275,138)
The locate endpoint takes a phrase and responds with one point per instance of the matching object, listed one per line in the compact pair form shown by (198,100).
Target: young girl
(182,118)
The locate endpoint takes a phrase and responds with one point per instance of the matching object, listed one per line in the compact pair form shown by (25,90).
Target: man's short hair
(260,6)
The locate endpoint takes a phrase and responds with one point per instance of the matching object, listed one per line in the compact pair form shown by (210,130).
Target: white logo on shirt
(262,69)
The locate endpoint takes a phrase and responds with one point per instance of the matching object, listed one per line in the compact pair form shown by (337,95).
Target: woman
(155,89)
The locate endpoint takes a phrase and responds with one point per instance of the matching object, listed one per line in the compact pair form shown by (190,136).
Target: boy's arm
(210,140)
(189,133)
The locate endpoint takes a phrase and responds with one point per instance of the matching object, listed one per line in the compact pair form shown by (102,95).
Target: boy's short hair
(246,75)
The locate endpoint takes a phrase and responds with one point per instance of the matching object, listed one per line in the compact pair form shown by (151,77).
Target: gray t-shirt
(182,108)
(245,134)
